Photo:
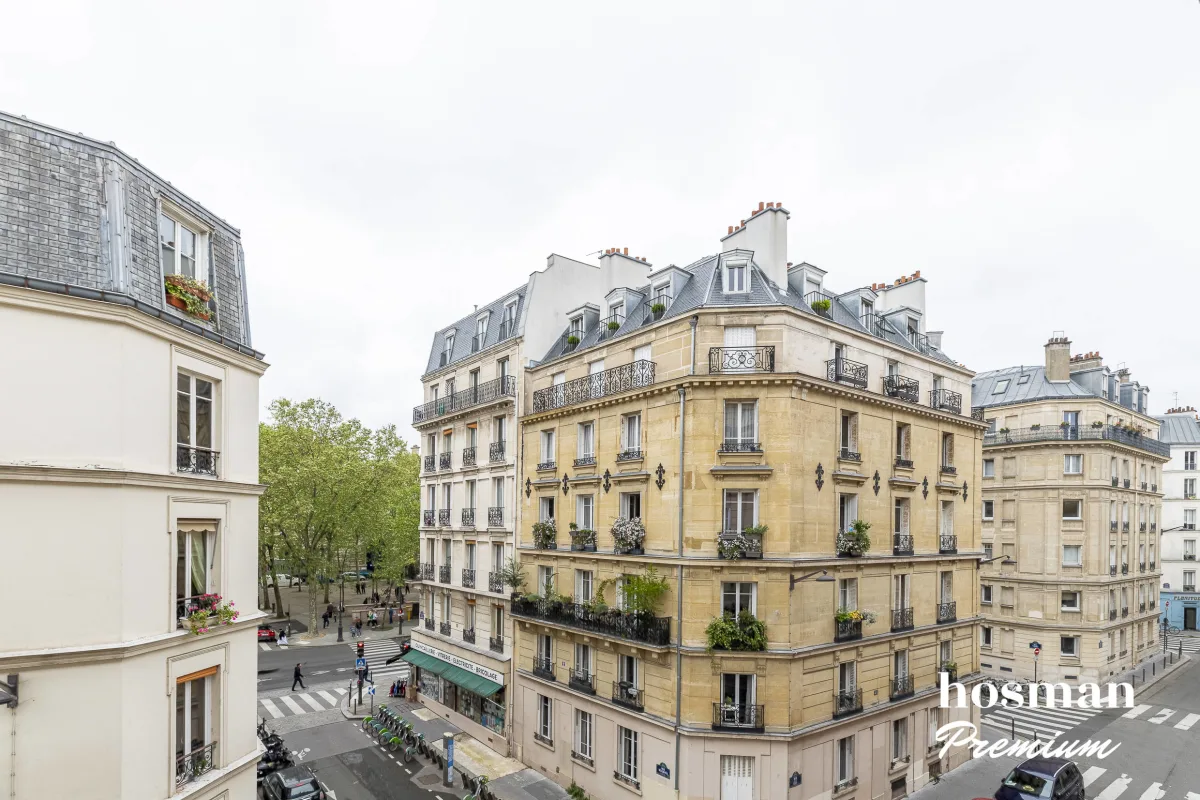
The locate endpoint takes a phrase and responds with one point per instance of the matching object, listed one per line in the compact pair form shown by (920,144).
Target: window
(502,368)
(1189,488)
(985,636)
(848,593)
(545,727)
(1073,465)
(737,278)
(740,510)
(194,425)
(498,492)
(195,548)
(1070,601)
(446,496)
(1189,519)
(1189,459)
(900,592)
(641,354)
(945,652)
(947,587)
(1189,579)
(627,670)
(545,649)
(447,348)
(548,447)
(480,332)
(576,327)
(989,509)
(989,468)
(1001,387)
(194,721)
(545,509)
(935,722)
(470,485)
(947,518)
(901,517)
(985,597)
(1072,555)
(847,511)
(545,579)
(583,659)
(181,249)
(1189,549)
(1069,646)
(844,768)
(469,616)
(631,432)
(900,739)
(849,433)
(583,585)
(847,677)
(631,505)
(499,429)
(738,597)
(738,692)
(1072,509)
(587,443)
(584,734)
(741,420)
(903,441)
(510,319)
(662,294)
(628,753)
(1071,418)
(987,549)
(470,556)
(583,512)
(948,449)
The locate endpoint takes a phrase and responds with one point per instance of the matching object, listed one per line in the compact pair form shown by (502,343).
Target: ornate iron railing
(586,461)
(496,517)
(902,619)
(496,644)
(444,573)
(468,518)
(1124,527)
(582,680)
(741,359)
(197,460)
(818,297)
(1073,433)
(547,465)
(626,694)
(496,452)
(477,342)
(630,454)
(847,454)
(543,667)
(902,544)
(904,463)
(624,378)
(470,397)
(946,400)
(920,341)
(902,686)
(443,517)
(947,612)
(495,583)
(627,779)
(426,571)
(190,766)
(430,463)
(1124,569)
(901,388)
(429,623)
(848,701)
(947,543)
(427,517)
(469,635)
(468,456)
(636,627)
(949,469)
(737,717)
(607,331)
(443,461)
(977,414)
(468,578)
(444,628)
(875,324)
(739,446)
(843,370)
(847,630)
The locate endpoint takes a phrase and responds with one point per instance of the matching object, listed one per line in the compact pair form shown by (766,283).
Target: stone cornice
(120,477)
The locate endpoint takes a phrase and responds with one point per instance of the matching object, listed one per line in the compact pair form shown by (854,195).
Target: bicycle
(1173,629)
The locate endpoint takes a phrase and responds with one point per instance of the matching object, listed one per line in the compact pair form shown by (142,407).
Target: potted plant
(189,295)
(1037,426)
(628,535)
(657,310)
(1064,424)
(739,544)
(821,306)
(583,539)
(746,632)
(545,535)
(844,615)
(855,542)
(613,325)
(512,576)
(642,593)
(1003,430)
(572,340)
(951,669)
(209,612)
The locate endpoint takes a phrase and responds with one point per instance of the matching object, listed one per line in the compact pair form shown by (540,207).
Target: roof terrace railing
(624,378)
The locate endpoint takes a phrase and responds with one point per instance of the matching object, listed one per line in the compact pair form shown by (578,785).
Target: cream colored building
(128,484)
(706,401)
(1072,501)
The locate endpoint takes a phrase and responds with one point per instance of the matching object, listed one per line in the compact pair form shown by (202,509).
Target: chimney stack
(765,233)
(1058,358)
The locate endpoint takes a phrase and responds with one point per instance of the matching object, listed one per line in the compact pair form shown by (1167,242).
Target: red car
(267,634)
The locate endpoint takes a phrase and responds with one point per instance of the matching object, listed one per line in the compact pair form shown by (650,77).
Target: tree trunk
(274,581)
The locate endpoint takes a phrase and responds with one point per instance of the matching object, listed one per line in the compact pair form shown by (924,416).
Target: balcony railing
(636,375)
(496,644)
(946,400)
(902,544)
(429,626)
(613,622)
(902,619)
(190,766)
(874,324)
(427,571)
(739,446)
(1112,526)
(583,540)
(468,578)
(444,628)
(496,517)
(977,414)
(817,297)
(186,606)
(902,388)
(444,573)
(1124,569)
(546,465)
(847,630)
(1141,566)
(947,612)
(1112,569)
(947,543)
(903,463)
(586,461)
(949,469)
(1144,485)
(496,452)
(1124,527)
(1141,606)
(902,686)
(543,667)
(630,454)
(1124,612)
(429,463)
(1125,482)
(846,454)
(468,456)
(1189,587)
(443,517)
(471,397)
(1115,481)
(753,544)
(427,517)
(733,716)
(741,359)
(843,370)
(196,460)
(1151,566)
(1071,432)
(1189,556)
(626,694)
(443,461)
(846,702)
(495,583)
(468,518)
(469,635)
(1112,614)
(1141,527)
(607,328)
(582,680)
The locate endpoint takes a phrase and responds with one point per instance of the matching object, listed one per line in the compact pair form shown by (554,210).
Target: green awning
(456,675)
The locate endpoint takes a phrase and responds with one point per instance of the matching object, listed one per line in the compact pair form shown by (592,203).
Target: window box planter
(583,540)
(545,535)
(854,542)
(190,296)
(746,633)
(628,536)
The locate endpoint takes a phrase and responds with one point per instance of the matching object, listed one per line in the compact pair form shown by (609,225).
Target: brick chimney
(1058,358)
(764,232)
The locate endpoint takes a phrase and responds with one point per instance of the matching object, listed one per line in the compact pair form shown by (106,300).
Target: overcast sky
(392,165)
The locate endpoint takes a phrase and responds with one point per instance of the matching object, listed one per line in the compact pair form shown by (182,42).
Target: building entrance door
(1189,619)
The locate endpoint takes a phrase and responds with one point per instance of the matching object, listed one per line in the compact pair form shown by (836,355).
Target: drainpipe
(679,578)
(691,371)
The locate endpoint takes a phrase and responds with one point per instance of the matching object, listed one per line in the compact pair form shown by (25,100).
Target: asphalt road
(321,664)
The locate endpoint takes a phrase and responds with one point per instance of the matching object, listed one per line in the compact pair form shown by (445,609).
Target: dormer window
(737,277)
(1001,387)
(662,294)
(508,324)
(576,327)
(480,333)
(812,285)
(447,348)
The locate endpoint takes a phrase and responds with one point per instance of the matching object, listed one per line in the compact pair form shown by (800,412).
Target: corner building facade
(747,417)
(1072,505)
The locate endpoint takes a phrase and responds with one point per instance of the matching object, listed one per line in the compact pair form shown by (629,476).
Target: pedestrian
(403,687)
(329,610)
(283,637)
(391,615)
(297,677)
(325,620)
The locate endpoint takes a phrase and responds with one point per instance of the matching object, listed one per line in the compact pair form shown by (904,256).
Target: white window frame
(740,505)
(628,753)
(1001,386)
(743,411)
(744,595)
(585,512)
(989,509)
(1077,599)
(1078,501)
(585,733)
(546,717)
(631,431)
(899,740)
(1078,551)
(192,393)
(188,537)
(547,443)
(736,272)
(989,468)
(844,761)
(586,440)
(200,234)
(584,585)
(985,594)
(183,696)
(1074,646)
(1073,459)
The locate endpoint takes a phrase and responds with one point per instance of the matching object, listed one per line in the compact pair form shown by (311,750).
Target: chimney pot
(743,224)
(917,274)
(626,251)
(731,229)
(760,205)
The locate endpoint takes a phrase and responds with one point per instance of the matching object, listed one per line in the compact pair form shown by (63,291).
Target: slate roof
(464,331)
(704,289)
(1179,429)
(1037,387)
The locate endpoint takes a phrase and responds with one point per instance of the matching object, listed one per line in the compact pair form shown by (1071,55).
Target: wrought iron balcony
(444,628)
(495,583)
(629,454)
(427,517)
(429,463)
(741,359)
(1144,485)
(1141,566)
(902,544)
(543,667)
(846,454)
(1112,526)
(1124,527)
(637,627)
(443,461)
(582,680)
(1189,587)
(739,446)
(847,630)
(1124,612)
(1141,607)
(443,517)
(469,635)
(610,325)
(1154,487)
(626,694)
(1125,482)
(565,345)
(429,624)
(1151,566)
(1153,527)
(902,686)
(1115,481)
(902,619)
(586,461)
(947,543)
(496,644)
(486,392)
(468,456)
(196,460)
(946,400)
(977,414)
(902,388)
(1141,527)
(508,327)
(496,452)
(468,518)
(736,717)
(496,517)
(1112,614)
(843,370)
(1105,432)
(477,342)
(874,324)
(1124,569)
(920,341)
(426,571)
(847,702)
(444,573)
(753,544)
(903,463)
(820,298)
(468,578)
(546,465)
(624,378)
(649,314)
(190,766)
(947,612)
(1189,556)
(949,469)
(1112,569)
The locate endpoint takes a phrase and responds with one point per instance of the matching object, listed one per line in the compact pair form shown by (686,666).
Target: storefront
(473,692)
(1182,610)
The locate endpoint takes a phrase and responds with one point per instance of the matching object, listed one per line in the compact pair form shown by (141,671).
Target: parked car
(1055,778)
(284,579)
(267,634)
(293,783)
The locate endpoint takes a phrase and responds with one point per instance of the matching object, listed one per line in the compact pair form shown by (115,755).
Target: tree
(332,486)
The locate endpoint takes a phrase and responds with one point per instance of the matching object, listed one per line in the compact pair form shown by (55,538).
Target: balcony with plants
(747,543)
(745,633)
(848,623)
(545,535)
(856,541)
(629,536)
(901,388)
(731,716)
(636,621)
(583,540)
(1113,433)
(190,296)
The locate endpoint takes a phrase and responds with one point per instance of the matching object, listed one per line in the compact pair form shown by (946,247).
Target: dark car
(293,783)
(1050,778)
(267,634)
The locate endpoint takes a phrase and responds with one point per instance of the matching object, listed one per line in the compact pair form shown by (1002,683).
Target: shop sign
(462,663)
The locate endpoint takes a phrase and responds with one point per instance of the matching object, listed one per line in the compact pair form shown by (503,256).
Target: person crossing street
(297,677)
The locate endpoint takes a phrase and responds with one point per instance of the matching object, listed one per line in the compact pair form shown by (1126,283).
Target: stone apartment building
(473,384)
(700,620)
(128,480)
(1072,505)
(1180,601)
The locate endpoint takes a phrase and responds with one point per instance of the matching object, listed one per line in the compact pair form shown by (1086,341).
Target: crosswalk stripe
(315,705)
(340,690)
(271,708)
(1187,722)
(333,701)
(1193,796)
(1155,792)
(1091,774)
(1162,716)
(264,646)
(1115,789)
(292,704)
(1134,713)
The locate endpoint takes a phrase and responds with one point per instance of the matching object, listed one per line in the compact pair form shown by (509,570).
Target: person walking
(297,677)
(325,620)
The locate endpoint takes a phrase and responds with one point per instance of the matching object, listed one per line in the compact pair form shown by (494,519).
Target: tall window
(446,489)
(904,441)
(900,591)
(498,492)
(583,659)
(545,509)
(194,698)
(736,278)
(631,505)
(194,552)
(847,511)
(741,427)
(631,432)
(179,245)
(583,585)
(900,739)
(844,767)
(584,508)
(947,587)
(849,432)
(545,727)
(587,440)
(901,517)
(628,755)
(848,593)
(500,429)
(737,597)
(545,579)
(947,449)
(194,424)
(1189,459)
(548,446)
(584,734)
(470,556)
(740,510)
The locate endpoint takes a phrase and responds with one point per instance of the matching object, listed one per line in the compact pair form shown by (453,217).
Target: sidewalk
(1153,670)
(328,636)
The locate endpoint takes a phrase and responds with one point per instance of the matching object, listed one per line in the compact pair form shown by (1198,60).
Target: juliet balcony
(946,400)
(473,397)
(741,359)
(627,377)
(847,702)
(736,717)
(902,388)
(636,627)
(843,370)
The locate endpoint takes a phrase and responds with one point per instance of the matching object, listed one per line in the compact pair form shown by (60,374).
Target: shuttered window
(737,777)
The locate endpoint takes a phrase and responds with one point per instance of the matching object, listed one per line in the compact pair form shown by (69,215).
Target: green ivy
(747,632)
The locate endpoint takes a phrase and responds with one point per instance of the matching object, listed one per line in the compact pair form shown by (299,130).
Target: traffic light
(360,649)
(370,561)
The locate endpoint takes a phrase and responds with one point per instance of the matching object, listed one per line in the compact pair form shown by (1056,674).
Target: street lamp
(1008,561)
(341,605)
(824,573)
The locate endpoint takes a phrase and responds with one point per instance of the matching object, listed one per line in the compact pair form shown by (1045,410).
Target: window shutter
(905,518)
(854,432)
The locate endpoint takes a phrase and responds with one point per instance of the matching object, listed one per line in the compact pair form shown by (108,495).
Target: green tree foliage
(335,489)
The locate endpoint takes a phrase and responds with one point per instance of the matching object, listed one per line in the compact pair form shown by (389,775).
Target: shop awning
(456,675)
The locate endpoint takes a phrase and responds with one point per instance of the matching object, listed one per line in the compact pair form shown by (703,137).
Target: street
(1155,760)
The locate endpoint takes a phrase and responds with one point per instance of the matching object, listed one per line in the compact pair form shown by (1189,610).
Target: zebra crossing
(378,651)
(1120,784)
(302,703)
(1191,644)
(1050,723)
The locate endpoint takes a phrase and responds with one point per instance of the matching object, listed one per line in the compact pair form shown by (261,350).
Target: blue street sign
(662,770)
(1035,645)
(371,690)
(360,663)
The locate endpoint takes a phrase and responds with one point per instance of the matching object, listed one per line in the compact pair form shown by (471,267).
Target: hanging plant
(189,295)
(628,534)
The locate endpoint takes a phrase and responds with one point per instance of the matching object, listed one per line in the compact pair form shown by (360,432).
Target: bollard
(1014,729)
(1143,674)
(1152,669)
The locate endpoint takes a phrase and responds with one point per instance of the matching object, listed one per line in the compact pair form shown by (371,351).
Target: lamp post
(825,577)
(1008,562)
(341,605)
